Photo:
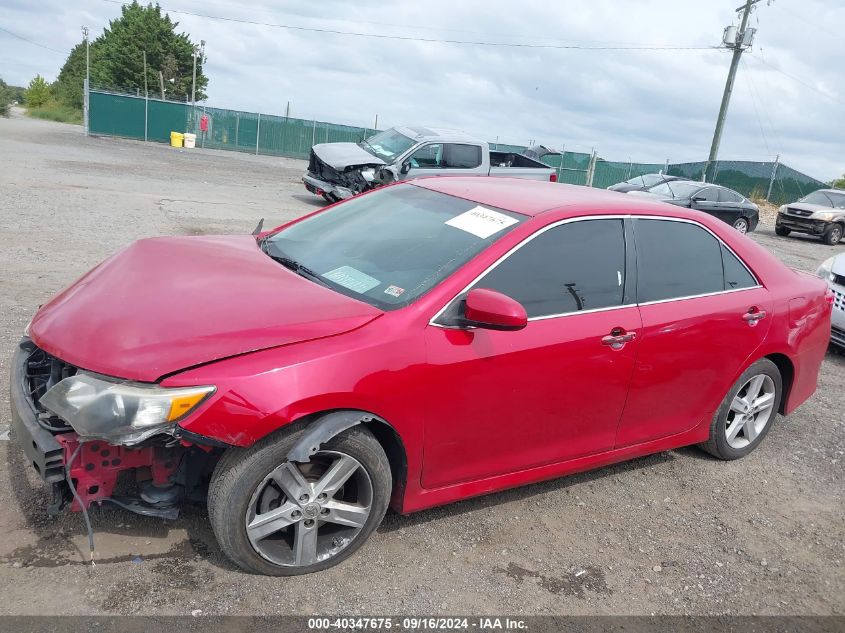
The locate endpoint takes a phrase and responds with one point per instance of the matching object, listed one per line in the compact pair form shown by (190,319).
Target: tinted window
(710,194)
(572,267)
(676,259)
(726,195)
(736,275)
(463,156)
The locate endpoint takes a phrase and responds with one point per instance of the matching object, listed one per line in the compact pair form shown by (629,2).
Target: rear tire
(304,529)
(741,225)
(782,231)
(747,412)
(832,235)
(330,198)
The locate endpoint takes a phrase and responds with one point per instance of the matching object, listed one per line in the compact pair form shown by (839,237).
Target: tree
(69,84)
(38,92)
(839,183)
(120,54)
(5,98)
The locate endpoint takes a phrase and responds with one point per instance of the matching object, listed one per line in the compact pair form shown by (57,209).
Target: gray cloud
(646,105)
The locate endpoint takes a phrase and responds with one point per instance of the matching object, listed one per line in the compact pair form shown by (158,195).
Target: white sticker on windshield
(352,278)
(481,222)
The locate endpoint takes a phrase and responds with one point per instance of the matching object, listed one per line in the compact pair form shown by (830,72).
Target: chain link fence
(132,116)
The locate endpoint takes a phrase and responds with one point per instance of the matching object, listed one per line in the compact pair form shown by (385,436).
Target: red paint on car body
(476,410)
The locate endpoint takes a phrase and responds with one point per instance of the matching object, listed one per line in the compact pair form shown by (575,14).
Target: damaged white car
(341,170)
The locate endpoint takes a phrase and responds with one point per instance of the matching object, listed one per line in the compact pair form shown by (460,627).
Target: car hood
(625,187)
(839,265)
(648,194)
(339,156)
(165,304)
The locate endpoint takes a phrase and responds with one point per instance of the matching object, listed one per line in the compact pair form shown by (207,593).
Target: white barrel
(190,140)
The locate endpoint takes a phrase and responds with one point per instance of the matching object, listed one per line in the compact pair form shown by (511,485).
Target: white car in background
(832,271)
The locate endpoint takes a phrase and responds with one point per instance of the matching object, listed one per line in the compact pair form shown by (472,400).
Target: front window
(387,145)
(390,246)
(826,198)
(646,180)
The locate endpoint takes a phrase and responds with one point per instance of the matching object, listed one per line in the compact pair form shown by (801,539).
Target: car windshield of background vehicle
(387,145)
(389,247)
(825,198)
(647,180)
(682,189)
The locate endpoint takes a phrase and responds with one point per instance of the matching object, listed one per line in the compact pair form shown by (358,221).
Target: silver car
(821,213)
(832,271)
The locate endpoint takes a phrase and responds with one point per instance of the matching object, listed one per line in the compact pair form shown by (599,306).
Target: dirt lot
(676,532)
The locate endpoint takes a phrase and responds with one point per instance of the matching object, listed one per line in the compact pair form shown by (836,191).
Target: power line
(34,43)
(382,36)
(798,79)
(756,111)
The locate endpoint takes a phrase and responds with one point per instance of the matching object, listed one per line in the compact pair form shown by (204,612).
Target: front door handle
(618,337)
(753,316)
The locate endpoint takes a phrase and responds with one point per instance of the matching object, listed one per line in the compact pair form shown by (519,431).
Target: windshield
(676,189)
(826,198)
(391,246)
(387,145)
(646,180)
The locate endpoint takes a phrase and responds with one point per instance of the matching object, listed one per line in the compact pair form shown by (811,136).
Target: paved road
(676,532)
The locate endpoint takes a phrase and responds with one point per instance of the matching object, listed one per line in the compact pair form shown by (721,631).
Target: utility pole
(87,78)
(738,40)
(161,83)
(146,98)
(201,52)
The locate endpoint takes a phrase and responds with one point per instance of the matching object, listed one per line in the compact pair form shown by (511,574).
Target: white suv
(832,271)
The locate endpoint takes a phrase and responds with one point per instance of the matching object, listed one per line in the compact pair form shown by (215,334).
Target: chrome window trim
(553,225)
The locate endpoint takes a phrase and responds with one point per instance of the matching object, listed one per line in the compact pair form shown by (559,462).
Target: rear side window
(463,156)
(676,259)
(710,194)
(736,274)
(726,195)
(572,267)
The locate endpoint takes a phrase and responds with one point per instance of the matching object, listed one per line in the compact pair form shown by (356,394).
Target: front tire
(832,235)
(281,518)
(747,412)
(782,231)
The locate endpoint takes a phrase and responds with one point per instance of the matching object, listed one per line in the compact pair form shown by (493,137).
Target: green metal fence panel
(124,115)
(115,115)
(165,117)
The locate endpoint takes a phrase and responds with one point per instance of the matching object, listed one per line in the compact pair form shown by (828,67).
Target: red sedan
(420,344)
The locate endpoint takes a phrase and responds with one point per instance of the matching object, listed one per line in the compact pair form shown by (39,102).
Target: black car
(726,204)
(641,183)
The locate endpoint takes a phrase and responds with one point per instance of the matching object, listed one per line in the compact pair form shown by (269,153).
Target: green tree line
(116,61)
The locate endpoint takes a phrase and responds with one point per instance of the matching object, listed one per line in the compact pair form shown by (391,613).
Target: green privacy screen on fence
(130,116)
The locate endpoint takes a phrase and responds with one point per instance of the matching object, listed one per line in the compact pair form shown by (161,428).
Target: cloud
(643,105)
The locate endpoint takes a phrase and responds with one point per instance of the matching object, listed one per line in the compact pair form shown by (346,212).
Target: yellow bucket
(176,139)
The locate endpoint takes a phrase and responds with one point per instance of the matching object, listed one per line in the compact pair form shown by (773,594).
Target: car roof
(535,197)
(427,133)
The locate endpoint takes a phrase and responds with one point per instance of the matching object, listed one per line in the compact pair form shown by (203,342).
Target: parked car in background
(338,171)
(424,343)
(832,271)
(641,183)
(821,213)
(721,202)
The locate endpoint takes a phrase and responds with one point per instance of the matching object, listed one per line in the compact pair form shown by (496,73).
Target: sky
(639,105)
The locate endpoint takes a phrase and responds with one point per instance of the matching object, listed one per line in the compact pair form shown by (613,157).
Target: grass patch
(56,112)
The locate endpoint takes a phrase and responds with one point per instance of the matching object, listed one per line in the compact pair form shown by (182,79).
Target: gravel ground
(677,532)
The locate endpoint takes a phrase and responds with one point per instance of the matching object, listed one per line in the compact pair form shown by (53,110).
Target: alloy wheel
(750,411)
(302,514)
(741,225)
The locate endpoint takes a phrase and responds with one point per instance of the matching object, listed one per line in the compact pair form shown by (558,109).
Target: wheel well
(787,374)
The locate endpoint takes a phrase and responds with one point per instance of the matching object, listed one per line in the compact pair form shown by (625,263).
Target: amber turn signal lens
(180,405)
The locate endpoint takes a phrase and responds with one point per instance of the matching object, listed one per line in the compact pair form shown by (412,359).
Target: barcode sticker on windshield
(352,278)
(481,222)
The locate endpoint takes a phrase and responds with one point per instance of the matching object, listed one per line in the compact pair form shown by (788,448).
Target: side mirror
(491,310)
(406,167)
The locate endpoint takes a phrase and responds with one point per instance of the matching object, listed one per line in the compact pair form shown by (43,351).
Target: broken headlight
(118,412)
